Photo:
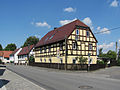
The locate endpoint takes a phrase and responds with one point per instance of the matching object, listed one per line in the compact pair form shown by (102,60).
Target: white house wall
(16,56)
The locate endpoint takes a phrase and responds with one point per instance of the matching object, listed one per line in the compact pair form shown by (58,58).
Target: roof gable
(14,52)
(26,50)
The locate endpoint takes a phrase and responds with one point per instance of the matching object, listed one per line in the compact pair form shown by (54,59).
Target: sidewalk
(12,81)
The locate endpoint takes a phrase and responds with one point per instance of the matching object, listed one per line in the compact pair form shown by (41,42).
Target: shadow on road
(2,71)
(3,82)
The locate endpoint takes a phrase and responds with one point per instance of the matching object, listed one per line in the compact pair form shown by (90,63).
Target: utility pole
(116,50)
(65,53)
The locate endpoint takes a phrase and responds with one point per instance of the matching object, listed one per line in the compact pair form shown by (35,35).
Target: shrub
(32,59)
(11,61)
(82,60)
(100,62)
(118,62)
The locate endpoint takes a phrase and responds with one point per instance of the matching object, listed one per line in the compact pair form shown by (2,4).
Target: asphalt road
(60,80)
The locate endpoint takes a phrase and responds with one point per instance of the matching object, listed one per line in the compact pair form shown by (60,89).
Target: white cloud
(32,23)
(88,22)
(40,24)
(63,22)
(98,28)
(119,41)
(115,3)
(69,9)
(106,47)
(103,30)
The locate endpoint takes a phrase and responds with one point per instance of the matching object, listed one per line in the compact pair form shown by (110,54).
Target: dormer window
(87,33)
(77,32)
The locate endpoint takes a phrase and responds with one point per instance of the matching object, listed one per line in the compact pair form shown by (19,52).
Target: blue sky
(20,19)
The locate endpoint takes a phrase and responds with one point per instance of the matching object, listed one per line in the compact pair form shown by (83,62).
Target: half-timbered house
(64,44)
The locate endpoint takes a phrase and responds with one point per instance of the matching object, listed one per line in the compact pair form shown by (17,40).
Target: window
(44,49)
(74,45)
(45,60)
(40,50)
(25,55)
(76,37)
(87,33)
(49,48)
(90,46)
(61,46)
(74,61)
(61,60)
(77,32)
(50,60)
(40,60)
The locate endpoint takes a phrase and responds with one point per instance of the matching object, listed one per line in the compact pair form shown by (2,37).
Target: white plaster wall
(16,56)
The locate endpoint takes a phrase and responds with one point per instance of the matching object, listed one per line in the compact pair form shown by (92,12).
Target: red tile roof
(60,33)
(5,53)
(26,50)
(14,52)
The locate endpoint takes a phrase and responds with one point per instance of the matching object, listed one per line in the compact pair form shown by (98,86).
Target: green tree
(111,54)
(1,47)
(119,54)
(82,60)
(30,41)
(10,47)
(32,59)
(100,52)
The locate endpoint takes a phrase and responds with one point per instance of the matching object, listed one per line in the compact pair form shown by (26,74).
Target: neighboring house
(25,53)
(13,55)
(65,43)
(4,56)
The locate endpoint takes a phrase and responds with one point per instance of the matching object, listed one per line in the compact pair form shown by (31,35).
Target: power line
(107,30)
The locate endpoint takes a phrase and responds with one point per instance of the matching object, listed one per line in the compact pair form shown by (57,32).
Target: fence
(69,66)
